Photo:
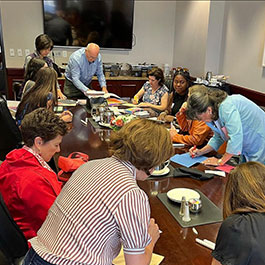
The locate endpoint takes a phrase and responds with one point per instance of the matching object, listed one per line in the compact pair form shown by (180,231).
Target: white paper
(215,172)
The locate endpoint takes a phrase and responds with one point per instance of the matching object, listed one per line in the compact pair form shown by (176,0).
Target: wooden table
(177,244)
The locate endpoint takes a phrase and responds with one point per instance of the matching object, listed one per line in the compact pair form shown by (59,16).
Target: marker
(193,148)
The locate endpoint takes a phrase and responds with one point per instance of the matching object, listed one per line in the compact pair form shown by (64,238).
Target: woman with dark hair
(101,207)
(34,65)
(181,83)
(154,93)
(43,45)
(234,119)
(241,239)
(191,132)
(27,183)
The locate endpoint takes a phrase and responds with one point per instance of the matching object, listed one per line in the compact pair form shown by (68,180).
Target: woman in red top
(27,183)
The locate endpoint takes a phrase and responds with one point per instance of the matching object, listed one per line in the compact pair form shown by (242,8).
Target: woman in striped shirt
(101,207)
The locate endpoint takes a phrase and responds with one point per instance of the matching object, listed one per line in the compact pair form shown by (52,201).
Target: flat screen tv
(109,23)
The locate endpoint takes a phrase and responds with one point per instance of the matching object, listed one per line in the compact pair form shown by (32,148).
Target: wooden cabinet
(122,86)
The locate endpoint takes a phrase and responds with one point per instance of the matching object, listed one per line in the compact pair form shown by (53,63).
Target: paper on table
(186,160)
(226,168)
(119,260)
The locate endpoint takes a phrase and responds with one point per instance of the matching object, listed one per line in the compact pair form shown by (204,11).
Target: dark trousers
(71,91)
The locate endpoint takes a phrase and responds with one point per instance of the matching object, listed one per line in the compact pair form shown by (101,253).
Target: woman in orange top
(193,132)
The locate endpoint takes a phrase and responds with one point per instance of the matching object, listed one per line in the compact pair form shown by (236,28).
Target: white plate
(177,194)
(161,172)
(107,125)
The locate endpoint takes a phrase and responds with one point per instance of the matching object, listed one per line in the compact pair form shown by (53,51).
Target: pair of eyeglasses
(181,69)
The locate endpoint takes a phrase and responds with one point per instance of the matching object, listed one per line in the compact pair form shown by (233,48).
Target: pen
(160,232)
(206,243)
(83,122)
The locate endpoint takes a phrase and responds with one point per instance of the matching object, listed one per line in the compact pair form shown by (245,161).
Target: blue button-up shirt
(80,71)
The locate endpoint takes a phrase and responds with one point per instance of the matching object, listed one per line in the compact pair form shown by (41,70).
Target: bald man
(82,66)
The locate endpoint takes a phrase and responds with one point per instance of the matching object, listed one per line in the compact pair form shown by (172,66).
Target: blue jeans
(32,258)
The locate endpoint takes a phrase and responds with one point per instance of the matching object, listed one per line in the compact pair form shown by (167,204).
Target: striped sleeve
(133,217)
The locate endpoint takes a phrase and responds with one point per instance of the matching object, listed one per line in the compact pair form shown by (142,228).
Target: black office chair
(10,136)
(13,244)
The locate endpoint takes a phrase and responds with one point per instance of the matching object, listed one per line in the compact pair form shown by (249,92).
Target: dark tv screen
(109,23)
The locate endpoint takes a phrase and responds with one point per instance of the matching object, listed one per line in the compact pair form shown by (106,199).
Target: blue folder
(186,160)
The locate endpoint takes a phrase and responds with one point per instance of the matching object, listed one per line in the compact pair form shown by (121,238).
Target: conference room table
(176,244)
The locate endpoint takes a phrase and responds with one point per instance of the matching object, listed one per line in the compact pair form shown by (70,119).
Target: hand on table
(145,104)
(211,161)
(67,116)
(172,131)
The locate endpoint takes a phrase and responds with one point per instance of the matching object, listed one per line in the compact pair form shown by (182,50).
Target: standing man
(82,66)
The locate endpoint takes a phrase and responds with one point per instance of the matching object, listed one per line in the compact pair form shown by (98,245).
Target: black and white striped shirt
(99,208)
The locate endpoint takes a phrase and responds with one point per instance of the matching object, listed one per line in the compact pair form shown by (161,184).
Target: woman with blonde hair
(241,238)
(101,207)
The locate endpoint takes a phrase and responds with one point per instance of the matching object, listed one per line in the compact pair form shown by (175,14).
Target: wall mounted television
(75,23)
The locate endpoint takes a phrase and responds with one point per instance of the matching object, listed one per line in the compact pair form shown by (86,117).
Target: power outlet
(19,52)
(57,53)
(27,52)
(64,54)
(12,52)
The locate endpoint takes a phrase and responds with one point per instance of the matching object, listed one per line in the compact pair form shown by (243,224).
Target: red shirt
(29,188)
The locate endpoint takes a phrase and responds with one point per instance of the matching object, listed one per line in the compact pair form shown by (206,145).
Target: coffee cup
(162,166)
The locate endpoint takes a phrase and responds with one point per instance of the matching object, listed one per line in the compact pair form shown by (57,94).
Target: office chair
(9,134)
(13,244)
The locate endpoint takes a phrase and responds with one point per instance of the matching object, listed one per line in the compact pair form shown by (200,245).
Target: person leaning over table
(234,119)
(42,94)
(154,93)
(82,66)
(241,239)
(101,207)
(27,183)
(44,45)
(193,132)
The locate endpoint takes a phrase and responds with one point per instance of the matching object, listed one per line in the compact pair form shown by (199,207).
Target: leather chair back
(13,244)
(10,136)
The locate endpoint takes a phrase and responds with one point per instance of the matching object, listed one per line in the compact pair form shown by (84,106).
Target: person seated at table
(181,84)
(234,119)
(101,207)
(44,45)
(240,238)
(27,183)
(42,94)
(154,93)
(34,65)
(192,132)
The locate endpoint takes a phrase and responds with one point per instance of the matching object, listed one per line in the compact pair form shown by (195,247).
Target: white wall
(173,32)
(191,35)
(22,22)
(244,44)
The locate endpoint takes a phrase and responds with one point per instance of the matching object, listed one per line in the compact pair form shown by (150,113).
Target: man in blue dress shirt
(82,66)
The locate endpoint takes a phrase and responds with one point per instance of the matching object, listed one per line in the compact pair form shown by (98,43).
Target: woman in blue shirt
(234,119)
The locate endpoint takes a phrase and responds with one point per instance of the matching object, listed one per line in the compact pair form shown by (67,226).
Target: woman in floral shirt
(154,93)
